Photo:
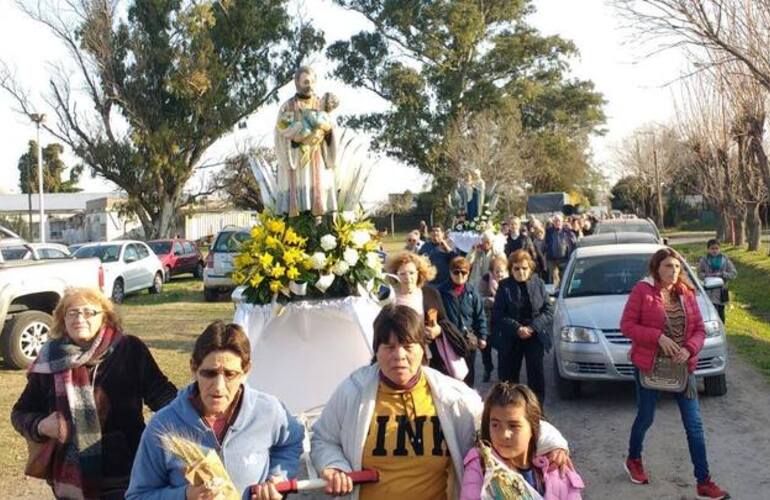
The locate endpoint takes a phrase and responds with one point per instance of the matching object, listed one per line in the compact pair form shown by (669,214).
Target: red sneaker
(635,471)
(710,491)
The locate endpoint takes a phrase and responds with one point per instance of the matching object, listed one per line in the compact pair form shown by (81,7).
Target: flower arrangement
(487,219)
(290,258)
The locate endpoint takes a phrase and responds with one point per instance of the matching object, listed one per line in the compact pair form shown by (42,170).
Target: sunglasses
(229,375)
(459,272)
(87,313)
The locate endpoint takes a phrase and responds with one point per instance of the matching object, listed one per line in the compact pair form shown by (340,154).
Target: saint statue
(477,189)
(306,148)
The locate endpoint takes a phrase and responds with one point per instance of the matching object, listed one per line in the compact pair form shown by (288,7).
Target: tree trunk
(725,226)
(739,222)
(754,226)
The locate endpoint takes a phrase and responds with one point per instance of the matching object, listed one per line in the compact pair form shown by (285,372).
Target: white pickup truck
(29,292)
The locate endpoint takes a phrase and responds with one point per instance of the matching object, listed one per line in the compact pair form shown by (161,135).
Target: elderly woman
(522,316)
(465,309)
(256,438)
(716,264)
(409,422)
(85,391)
(662,318)
(414,272)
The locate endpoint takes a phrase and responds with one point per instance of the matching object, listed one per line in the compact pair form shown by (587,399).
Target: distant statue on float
(306,149)
(469,196)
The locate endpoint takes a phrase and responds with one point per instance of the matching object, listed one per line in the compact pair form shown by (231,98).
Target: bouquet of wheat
(201,468)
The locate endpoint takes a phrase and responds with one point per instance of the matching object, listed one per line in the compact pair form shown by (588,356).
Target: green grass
(748,313)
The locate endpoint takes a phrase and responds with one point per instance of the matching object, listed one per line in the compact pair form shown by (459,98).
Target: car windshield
(230,241)
(105,253)
(627,227)
(609,275)
(160,247)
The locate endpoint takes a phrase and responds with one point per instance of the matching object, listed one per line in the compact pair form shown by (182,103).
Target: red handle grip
(358,477)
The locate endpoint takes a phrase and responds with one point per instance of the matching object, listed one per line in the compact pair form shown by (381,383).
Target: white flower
(360,238)
(459,227)
(318,261)
(373,261)
(348,216)
(328,242)
(340,267)
(350,255)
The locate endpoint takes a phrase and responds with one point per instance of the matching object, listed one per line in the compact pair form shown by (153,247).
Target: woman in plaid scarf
(86,391)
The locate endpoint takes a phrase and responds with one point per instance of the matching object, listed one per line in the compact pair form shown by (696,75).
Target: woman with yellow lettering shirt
(410,422)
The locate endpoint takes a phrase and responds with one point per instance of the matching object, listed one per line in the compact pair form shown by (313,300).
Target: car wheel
(716,385)
(166,274)
(198,273)
(157,283)
(118,291)
(210,295)
(23,336)
(566,388)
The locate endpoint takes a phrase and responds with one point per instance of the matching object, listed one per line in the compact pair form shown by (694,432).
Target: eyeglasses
(459,272)
(87,313)
(229,375)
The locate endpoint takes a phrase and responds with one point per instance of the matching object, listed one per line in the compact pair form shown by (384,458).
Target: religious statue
(477,191)
(306,148)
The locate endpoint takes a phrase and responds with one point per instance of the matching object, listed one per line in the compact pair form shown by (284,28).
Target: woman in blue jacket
(465,309)
(253,434)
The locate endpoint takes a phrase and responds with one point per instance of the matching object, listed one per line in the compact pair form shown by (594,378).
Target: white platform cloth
(300,352)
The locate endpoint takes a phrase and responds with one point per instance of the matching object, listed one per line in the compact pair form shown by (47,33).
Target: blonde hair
(425,270)
(94,296)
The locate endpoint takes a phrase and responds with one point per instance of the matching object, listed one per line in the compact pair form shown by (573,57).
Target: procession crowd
(413,414)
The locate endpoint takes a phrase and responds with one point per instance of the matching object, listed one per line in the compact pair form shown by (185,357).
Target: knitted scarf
(77,466)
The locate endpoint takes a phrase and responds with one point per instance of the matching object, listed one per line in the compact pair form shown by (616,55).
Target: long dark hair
(504,394)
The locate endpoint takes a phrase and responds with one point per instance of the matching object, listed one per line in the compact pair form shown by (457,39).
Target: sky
(636,88)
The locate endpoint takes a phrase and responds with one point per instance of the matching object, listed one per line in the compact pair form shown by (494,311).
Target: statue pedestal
(466,240)
(302,350)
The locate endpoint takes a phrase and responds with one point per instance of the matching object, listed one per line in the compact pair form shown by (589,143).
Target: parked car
(588,343)
(35,251)
(29,292)
(616,239)
(178,256)
(219,262)
(129,266)
(634,225)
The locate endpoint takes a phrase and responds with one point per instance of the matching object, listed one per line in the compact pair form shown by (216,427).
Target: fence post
(431,217)
(392,223)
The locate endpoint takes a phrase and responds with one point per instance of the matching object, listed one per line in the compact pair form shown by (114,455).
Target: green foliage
(632,194)
(437,60)
(181,74)
(53,170)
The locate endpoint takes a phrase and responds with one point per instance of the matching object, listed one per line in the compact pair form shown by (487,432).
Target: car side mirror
(129,260)
(665,241)
(713,282)
(551,290)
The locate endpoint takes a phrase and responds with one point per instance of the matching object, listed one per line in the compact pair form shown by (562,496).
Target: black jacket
(504,319)
(125,379)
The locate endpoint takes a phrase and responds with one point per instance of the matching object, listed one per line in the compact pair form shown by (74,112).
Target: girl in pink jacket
(503,465)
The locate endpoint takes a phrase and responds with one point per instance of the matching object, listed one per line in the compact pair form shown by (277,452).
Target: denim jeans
(646,400)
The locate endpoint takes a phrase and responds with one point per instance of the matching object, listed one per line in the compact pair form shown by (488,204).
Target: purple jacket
(557,487)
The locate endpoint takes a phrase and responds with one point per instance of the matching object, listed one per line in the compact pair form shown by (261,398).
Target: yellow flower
(292,273)
(257,232)
(307,262)
(275,286)
(272,242)
(238,277)
(371,246)
(291,237)
(275,225)
(278,271)
(256,280)
(266,259)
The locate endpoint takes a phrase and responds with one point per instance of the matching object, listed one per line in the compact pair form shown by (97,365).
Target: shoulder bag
(666,375)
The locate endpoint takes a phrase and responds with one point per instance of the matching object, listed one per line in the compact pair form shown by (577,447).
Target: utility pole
(658,188)
(38,118)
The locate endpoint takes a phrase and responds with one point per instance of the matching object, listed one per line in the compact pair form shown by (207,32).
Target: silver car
(219,261)
(588,344)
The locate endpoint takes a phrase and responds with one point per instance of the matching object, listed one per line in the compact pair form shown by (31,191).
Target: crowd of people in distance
(414,414)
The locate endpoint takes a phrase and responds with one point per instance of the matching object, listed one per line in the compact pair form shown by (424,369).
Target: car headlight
(579,334)
(713,328)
